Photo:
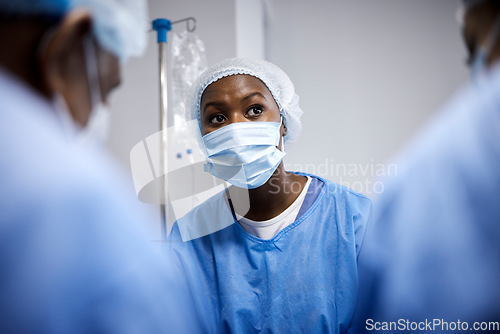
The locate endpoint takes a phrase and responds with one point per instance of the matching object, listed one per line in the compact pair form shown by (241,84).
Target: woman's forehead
(237,86)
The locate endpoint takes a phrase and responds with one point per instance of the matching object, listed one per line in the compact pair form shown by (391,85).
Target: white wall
(368,74)
(250,28)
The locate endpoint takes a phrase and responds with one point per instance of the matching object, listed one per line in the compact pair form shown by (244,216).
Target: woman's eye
(217,119)
(254,111)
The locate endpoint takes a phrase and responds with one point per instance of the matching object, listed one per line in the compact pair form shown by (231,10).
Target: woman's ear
(283,129)
(62,59)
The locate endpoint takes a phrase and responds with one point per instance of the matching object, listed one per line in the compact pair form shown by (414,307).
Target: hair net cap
(278,83)
(120,26)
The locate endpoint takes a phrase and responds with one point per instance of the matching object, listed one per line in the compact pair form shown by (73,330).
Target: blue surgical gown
(433,249)
(75,255)
(303,280)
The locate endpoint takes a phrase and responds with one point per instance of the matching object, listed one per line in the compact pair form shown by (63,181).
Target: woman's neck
(270,199)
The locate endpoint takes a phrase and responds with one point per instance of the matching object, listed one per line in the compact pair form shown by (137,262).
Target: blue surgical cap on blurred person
(119,26)
(34,7)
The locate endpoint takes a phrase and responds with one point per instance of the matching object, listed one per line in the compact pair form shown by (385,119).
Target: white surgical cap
(120,26)
(278,83)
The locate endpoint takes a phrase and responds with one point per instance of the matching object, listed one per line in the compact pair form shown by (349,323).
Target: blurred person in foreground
(74,257)
(432,253)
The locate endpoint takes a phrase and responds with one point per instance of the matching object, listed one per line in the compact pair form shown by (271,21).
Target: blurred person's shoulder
(38,155)
(460,141)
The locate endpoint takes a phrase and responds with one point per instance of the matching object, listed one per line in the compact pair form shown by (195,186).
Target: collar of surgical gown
(219,206)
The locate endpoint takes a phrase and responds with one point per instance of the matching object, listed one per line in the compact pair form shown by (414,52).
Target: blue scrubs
(75,256)
(303,280)
(433,249)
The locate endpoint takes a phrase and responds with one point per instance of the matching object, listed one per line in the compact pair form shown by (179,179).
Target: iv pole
(162,27)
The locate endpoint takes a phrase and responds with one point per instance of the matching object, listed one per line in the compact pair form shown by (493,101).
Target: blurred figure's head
(481,29)
(71,48)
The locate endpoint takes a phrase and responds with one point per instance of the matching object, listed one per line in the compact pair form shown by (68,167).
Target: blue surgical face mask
(244,153)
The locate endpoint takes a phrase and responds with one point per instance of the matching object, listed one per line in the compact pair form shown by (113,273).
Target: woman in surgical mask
(276,251)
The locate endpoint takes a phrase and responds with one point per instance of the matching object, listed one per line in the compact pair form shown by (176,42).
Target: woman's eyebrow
(212,104)
(218,104)
(252,95)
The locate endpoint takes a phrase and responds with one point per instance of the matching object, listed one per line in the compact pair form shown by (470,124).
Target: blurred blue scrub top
(433,250)
(75,256)
(303,280)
